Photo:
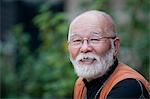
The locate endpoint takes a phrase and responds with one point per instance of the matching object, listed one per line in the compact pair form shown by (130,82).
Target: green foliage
(45,73)
(139,32)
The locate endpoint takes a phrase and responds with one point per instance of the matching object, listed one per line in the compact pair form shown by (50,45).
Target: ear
(117,46)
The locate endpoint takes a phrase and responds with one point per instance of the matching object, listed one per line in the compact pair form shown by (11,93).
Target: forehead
(86,24)
(87,32)
(74,35)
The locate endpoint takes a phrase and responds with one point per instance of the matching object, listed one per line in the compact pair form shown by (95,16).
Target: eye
(77,40)
(94,39)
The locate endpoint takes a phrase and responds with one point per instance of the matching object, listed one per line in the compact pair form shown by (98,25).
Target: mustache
(87,56)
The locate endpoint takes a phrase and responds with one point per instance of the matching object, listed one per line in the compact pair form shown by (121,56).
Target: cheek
(103,49)
(73,52)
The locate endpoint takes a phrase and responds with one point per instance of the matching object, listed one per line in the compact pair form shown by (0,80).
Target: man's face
(90,55)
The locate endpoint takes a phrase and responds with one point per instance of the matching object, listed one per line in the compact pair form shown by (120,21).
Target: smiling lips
(87,61)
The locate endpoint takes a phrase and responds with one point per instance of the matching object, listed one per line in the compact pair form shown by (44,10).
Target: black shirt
(128,88)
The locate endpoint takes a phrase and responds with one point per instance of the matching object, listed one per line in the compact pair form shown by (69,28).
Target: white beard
(95,70)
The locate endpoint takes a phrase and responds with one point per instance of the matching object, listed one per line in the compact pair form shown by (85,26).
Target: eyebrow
(74,35)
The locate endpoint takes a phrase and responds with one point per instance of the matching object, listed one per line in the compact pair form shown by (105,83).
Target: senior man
(93,46)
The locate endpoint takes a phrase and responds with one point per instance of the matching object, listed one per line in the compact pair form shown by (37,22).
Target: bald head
(93,21)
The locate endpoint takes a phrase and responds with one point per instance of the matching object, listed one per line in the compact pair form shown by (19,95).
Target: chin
(91,71)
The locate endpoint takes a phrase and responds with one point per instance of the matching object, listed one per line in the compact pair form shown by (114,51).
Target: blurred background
(34,61)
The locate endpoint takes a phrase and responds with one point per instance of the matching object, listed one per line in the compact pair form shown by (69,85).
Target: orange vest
(121,72)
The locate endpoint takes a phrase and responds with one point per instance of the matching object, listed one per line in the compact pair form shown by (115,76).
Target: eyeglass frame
(89,40)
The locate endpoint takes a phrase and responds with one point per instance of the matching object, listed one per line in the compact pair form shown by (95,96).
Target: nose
(85,48)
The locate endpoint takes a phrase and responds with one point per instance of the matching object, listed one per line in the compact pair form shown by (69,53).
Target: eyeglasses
(77,42)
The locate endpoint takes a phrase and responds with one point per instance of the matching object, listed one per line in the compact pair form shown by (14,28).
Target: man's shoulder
(128,88)
(121,73)
(125,70)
